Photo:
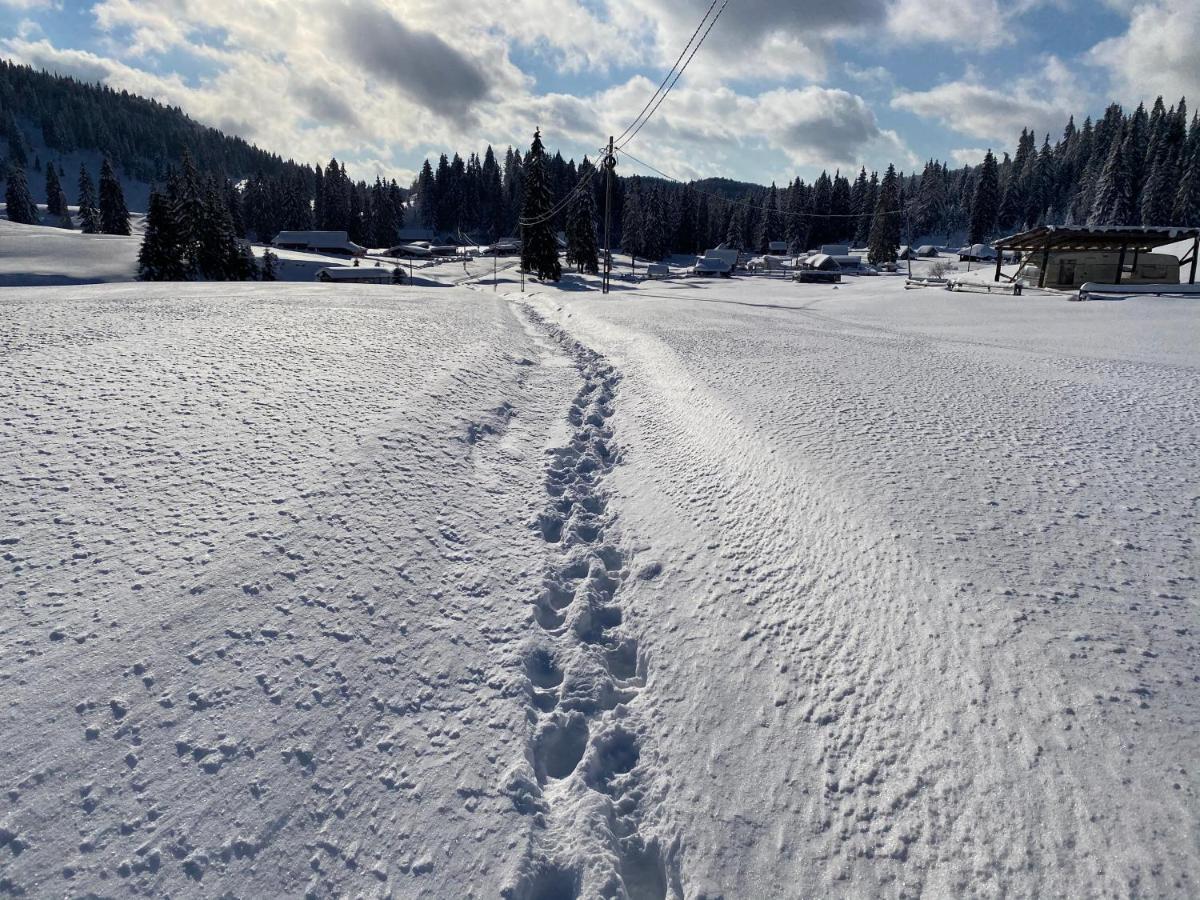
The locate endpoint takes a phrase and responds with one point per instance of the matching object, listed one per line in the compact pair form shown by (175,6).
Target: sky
(781,88)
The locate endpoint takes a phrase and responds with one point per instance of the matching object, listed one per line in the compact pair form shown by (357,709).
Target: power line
(678,75)
(670,72)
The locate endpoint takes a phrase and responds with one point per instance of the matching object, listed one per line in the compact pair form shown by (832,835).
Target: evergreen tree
(582,247)
(986,200)
(769,227)
(187,205)
(89,214)
(219,256)
(884,239)
(1159,188)
(21,207)
(1186,210)
(114,216)
(270,266)
(631,223)
(161,255)
(1113,203)
(539,249)
(56,198)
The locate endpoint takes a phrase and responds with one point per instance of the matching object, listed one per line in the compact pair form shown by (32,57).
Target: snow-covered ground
(729,588)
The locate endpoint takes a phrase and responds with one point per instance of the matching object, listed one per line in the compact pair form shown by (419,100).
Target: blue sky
(781,88)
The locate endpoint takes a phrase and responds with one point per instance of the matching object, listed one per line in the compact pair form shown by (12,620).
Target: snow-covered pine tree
(114,215)
(1157,199)
(21,207)
(769,226)
(884,239)
(631,222)
(56,199)
(161,255)
(1186,209)
(187,204)
(582,248)
(796,216)
(219,256)
(986,200)
(1113,202)
(539,248)
(89,214)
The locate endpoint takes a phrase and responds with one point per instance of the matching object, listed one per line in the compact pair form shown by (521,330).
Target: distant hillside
(66,117)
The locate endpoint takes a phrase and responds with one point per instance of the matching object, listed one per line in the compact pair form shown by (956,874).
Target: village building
(927,251)
(357,275)
(331,243)
(1069,256)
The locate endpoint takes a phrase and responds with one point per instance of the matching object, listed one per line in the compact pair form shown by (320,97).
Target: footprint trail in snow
(582,785)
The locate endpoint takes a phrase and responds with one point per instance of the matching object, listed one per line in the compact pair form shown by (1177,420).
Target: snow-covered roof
(318,240)
(1096,237)
(823,261)
(310,237)
(355,273)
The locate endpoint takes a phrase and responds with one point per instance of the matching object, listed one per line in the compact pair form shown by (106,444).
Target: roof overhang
(1106,238)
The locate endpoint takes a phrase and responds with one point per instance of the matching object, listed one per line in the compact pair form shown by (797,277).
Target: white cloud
(968,156)
(29,5)
(1159,53)
(969,106)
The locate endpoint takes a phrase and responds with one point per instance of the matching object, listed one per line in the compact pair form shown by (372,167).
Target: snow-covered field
(731,588)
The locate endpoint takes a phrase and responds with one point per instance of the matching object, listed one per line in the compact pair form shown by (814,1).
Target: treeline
(141,137)
(105,213)
(1128,169)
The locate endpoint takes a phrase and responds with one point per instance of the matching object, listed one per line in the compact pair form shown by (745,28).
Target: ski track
(583,785)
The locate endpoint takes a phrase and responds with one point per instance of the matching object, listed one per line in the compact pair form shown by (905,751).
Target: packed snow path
(718,589)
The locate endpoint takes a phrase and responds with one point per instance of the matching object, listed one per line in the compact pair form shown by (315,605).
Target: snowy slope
(45,255)
(732,588)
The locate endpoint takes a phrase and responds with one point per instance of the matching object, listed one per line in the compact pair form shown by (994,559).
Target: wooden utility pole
(610,163)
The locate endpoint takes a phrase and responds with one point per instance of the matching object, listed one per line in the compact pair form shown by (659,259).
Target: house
(767,263)
(835,249)
(725,252)
(332,243)
(821,268)
(657,270)
(976,253)
(509,246)
(713,266)
(906,252)
(358,275)
(777,248)
(1067,257)
(927,251)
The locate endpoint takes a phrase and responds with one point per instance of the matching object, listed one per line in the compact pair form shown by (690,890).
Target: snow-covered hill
(702,589)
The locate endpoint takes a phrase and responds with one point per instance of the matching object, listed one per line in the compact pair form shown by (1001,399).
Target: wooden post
(1195,253)
(1045,263)
(999,259)
(1120,264)
(521,264)
(610,163)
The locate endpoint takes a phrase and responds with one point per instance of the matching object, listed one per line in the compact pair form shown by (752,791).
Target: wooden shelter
(1119,241)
